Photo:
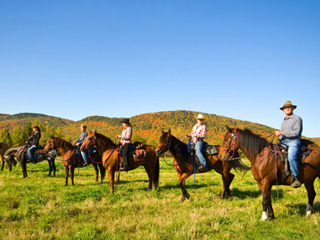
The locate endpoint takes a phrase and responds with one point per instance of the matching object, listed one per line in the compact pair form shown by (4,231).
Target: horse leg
(2,162)
(24,167)
(96,171)
(111,179)
(66,170)
(227,178)
(54,167)
(182,179)
(50,167)
(102,172)
(266,202)
(147,168)
(311,195)
(10,167)
(71,167)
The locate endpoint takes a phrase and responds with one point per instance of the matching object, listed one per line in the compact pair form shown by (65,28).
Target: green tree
(5,136)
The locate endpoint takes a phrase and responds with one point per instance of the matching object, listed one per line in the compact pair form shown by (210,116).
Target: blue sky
(240,59)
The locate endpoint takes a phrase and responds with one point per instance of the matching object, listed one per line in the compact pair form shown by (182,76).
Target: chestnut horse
(110,158)
(19,152)
(184,163)
(267,169)
(71,160)
(3,148)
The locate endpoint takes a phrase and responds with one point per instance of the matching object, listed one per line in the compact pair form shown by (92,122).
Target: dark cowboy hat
(125,120)
(288,104)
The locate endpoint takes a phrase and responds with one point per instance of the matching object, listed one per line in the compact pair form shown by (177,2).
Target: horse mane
(106,139)
(254,143)
(63,143)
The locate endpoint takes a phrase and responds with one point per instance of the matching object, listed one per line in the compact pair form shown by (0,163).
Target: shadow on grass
(243,194)
(302,207)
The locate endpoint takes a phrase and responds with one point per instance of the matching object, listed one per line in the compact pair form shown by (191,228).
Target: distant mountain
(146,127)
(22,119)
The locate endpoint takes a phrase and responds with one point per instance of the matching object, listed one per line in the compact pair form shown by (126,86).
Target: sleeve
(296,129)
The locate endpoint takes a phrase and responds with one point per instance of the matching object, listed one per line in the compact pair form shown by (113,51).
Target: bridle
(231,143)
(164,148)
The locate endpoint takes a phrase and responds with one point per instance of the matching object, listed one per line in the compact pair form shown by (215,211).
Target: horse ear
(90,131)
(169,132)
(95,132)
(162,132)
(229,129)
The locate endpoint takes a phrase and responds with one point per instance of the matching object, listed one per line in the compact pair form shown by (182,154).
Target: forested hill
(146,127)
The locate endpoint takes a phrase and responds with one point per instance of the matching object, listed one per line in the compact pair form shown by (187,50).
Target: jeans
(198,147)
(293,153)
(84,156)
(31,151)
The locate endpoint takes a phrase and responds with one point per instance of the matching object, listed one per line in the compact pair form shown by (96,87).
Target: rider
(83,135)
(291,130)
(125,141)
(198,133)
(36,135)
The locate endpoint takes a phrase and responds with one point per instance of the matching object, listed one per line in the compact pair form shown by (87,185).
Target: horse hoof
(182,199)
(264,217)
(308,213)
(187,196)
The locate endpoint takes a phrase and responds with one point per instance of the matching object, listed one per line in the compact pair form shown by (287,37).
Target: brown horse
(110,158)
(184,163)
(71,160)
(10,161)
(20,153)
(267,169)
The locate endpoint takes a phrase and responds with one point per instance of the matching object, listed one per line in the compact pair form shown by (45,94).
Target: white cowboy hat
(200,116)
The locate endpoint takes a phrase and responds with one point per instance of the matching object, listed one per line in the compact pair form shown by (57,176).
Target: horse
(71,160)
(184,163)
(111,159)
(20,153)
(267,168)
(3,148)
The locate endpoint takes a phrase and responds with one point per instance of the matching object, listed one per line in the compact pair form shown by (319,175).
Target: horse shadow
(243,194)
(301,207)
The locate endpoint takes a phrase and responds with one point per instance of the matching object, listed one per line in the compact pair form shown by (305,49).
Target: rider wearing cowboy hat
(197,135)
(291,130)
(125,141)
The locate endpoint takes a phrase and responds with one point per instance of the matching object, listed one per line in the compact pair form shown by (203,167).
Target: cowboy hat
(200,116)
(125,120)
(288,104)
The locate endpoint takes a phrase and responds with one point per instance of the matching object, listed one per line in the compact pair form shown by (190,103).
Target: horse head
(50,144)
(90,141)
(164,142)
(229,145)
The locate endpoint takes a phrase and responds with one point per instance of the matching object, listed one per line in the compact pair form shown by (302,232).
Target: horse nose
(157,151)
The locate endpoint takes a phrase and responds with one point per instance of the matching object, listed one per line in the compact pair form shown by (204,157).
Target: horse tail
(157,172)
(237,164)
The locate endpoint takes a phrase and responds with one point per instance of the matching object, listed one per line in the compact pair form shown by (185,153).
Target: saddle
(137,152)
(304,152)
(39,154)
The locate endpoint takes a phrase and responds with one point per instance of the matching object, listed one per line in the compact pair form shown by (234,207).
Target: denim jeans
(31,151)
(84,156)
(198,147)
(293,153)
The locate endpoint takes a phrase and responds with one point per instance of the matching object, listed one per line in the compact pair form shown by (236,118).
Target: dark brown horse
(71,160)
(110,158)
(11,161)
(21,155)
(184,163)
(267,169)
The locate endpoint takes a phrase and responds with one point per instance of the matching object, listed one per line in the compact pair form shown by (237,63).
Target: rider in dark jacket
(35,142)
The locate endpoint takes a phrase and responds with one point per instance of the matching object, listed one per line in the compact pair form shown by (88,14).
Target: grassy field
(40,207)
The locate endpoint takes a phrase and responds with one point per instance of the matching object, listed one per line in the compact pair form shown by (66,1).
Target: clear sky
(240,59)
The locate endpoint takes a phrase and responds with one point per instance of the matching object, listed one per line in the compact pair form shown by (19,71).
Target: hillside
(146,127)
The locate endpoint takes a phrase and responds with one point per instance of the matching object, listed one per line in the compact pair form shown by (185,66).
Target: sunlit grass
(40,207)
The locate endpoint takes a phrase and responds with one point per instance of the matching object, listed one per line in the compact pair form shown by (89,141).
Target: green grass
(40,207)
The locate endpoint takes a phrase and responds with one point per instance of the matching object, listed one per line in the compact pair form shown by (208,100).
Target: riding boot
(295,182)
